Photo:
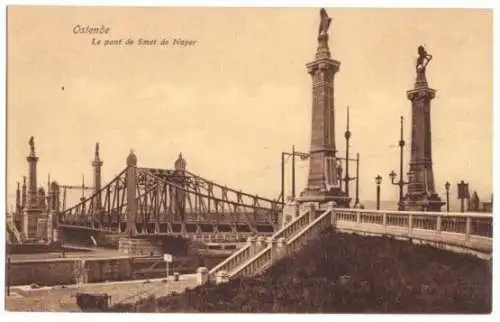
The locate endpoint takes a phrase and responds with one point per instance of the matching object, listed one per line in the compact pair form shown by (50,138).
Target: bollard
(201,275)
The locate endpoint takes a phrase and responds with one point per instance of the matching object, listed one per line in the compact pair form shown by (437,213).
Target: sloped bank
(343,273)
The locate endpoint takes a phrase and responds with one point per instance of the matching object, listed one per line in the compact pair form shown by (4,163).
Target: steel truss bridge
(156,202)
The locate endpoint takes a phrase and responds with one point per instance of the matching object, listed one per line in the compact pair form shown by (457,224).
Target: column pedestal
(140,246)
(30,222)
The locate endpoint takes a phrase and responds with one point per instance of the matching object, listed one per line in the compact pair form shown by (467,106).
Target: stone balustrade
(463,230)
(469,230)
(313,230)
(257,244)
(235,260)
(255,265)
(295,225)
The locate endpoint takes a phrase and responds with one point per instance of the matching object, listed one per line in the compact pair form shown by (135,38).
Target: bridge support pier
(140,246)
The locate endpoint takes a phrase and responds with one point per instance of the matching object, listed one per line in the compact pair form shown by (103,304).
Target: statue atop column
(32,145)
(324,23)
(422,61)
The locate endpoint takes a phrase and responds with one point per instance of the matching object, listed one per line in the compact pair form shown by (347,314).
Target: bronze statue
(423,58)
(97,149)
(32,145)
(324,23)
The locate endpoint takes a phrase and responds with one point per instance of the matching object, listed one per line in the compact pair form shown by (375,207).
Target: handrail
(288,226)
(422,213)
(278,234)
(312,224)
(229,259)
(251,261)
(465,231)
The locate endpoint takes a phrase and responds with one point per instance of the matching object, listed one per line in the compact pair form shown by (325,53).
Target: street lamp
(302,156)
(401,183)
(447,187)
(378,181)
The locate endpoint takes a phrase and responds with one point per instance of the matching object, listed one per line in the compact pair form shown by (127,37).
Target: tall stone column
(24,194)
(97,165)
(421,195)
(180,166)
(323,184)
(18,198)
(131,194)
(32,208)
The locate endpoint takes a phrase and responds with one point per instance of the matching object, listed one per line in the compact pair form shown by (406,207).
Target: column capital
(419,93)
(323,64)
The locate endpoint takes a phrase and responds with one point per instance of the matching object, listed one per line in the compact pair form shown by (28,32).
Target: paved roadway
(57,299)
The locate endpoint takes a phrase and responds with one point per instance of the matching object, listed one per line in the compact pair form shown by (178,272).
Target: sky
(238,97)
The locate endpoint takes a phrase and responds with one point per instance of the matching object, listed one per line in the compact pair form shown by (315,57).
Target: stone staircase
(261,253)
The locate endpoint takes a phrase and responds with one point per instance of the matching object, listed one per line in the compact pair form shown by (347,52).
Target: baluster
(410,224)
(467,229)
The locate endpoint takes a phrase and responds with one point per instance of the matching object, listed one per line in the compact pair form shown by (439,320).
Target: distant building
(475,205)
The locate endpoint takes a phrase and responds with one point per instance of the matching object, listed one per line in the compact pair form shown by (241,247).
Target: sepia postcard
(249,160)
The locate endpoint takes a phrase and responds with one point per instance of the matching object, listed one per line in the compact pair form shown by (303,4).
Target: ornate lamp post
(401,183)
(378,181)
(293,154)
(447,187)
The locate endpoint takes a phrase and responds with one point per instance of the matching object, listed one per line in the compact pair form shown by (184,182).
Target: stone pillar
(290,211)
(261,244)
(421,195)
(201,275)
(323,184)
(252,242)
(32,209)
(312,212)
(97,165)
(131,194)
(281,248)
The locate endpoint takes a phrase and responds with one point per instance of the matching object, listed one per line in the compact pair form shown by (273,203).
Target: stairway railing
(242,256)
(313,230)
(255,264)
(466,230)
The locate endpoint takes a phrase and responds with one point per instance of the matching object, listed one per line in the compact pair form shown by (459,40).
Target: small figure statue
(324,23)
(32,145)
(97,149)
(423,59)
(339,170)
